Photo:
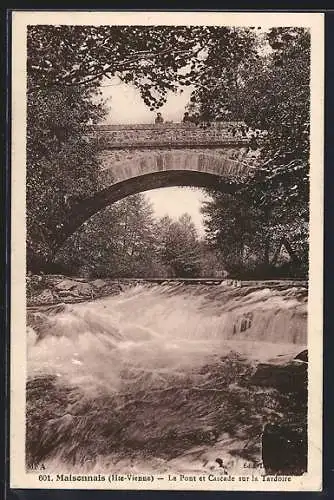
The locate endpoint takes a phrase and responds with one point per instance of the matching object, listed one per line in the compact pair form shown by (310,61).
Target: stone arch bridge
(136,158)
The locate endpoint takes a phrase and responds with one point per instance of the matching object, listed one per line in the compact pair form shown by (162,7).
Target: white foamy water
(152,379)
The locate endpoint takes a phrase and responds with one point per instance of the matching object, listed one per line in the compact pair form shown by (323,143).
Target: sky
(126,106)
(175,201)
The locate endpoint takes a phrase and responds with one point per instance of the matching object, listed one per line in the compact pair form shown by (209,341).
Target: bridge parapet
(169,135)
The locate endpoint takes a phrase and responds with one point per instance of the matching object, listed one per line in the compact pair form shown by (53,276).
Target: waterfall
(157,378)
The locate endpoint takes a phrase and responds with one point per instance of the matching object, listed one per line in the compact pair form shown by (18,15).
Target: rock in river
(84,289)
(284,449)
(285,373)
(45,297)
(66,284)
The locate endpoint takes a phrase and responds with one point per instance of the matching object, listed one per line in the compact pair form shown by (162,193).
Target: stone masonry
(135,158)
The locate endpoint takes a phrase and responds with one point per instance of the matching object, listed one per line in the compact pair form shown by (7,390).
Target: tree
(212,263)
(234,226)
(61,163)
(230,53)
(153,58)
(119,241)
(271,94)
(125,240)
(179,247)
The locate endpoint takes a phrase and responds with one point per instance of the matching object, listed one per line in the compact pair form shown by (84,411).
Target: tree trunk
(266,254)
(289,249)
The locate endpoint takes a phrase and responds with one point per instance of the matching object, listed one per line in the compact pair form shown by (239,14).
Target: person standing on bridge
(159,118)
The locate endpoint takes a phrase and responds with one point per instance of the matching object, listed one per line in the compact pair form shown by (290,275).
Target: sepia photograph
(167,251)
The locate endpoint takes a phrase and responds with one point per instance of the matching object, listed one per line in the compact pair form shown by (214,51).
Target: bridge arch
(123,165)
(125,172)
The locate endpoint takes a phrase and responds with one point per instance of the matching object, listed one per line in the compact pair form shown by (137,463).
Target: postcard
(166,259)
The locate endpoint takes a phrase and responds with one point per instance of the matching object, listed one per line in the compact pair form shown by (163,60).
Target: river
(156,379)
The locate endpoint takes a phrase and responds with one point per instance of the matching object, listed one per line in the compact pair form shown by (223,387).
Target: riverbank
(51,289)
(46,290)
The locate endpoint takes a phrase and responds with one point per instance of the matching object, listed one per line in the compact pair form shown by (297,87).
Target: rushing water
(156,378)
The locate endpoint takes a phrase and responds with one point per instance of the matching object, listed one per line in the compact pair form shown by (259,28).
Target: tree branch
(119,67)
